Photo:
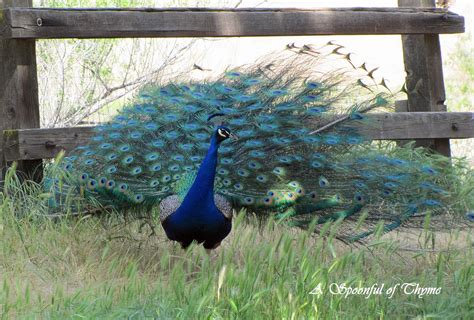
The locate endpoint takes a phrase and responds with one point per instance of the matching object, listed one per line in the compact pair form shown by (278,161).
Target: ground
(89,268)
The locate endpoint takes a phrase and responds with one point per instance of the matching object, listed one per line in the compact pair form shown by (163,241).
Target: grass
(99,267)
(75,269)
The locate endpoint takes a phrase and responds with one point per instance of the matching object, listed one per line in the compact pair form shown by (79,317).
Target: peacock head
(223,133)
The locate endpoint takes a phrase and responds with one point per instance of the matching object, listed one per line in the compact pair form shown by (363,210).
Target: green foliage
(460,81)
(80,80)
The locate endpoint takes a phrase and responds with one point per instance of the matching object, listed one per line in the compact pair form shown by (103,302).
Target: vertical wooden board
(424,79)
(19,106)
(437,91)
(435,64)
(414,56)
(416,79)
(417,83)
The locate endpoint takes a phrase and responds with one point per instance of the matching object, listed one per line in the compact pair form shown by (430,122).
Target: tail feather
(299,152)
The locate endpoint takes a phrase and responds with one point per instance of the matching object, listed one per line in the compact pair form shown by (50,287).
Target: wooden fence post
(18,91)
(424,80)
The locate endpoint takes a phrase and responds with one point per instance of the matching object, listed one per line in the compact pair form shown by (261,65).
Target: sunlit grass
(104,268)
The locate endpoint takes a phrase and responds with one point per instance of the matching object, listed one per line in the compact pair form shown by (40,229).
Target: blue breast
(202,224)
(198,218)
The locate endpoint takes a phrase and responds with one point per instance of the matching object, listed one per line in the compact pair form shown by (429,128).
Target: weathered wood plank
(420,125)
(416,66)
(207,22)
(19,106)
(424,81)
(43,143)
(437,91)
(46,143)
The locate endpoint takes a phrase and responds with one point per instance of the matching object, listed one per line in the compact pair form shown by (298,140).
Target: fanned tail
(300,154)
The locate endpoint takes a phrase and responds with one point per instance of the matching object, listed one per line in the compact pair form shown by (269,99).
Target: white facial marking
(222,133)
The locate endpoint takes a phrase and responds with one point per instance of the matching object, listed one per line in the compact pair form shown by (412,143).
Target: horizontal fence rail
(20,25)
(28,144)
(43,23)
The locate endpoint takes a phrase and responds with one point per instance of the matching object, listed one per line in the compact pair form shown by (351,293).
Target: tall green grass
(105,267)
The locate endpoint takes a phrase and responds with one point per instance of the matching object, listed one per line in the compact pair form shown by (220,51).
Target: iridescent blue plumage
(300,152)
(198,218)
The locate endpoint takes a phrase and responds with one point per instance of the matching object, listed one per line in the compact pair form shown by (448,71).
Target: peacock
(279,138)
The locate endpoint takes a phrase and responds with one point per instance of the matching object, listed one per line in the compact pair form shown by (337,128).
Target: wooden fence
(417,21)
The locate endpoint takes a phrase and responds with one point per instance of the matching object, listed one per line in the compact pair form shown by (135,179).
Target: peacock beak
(233,136)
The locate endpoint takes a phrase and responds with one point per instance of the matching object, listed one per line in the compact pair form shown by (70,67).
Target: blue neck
(202,190)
